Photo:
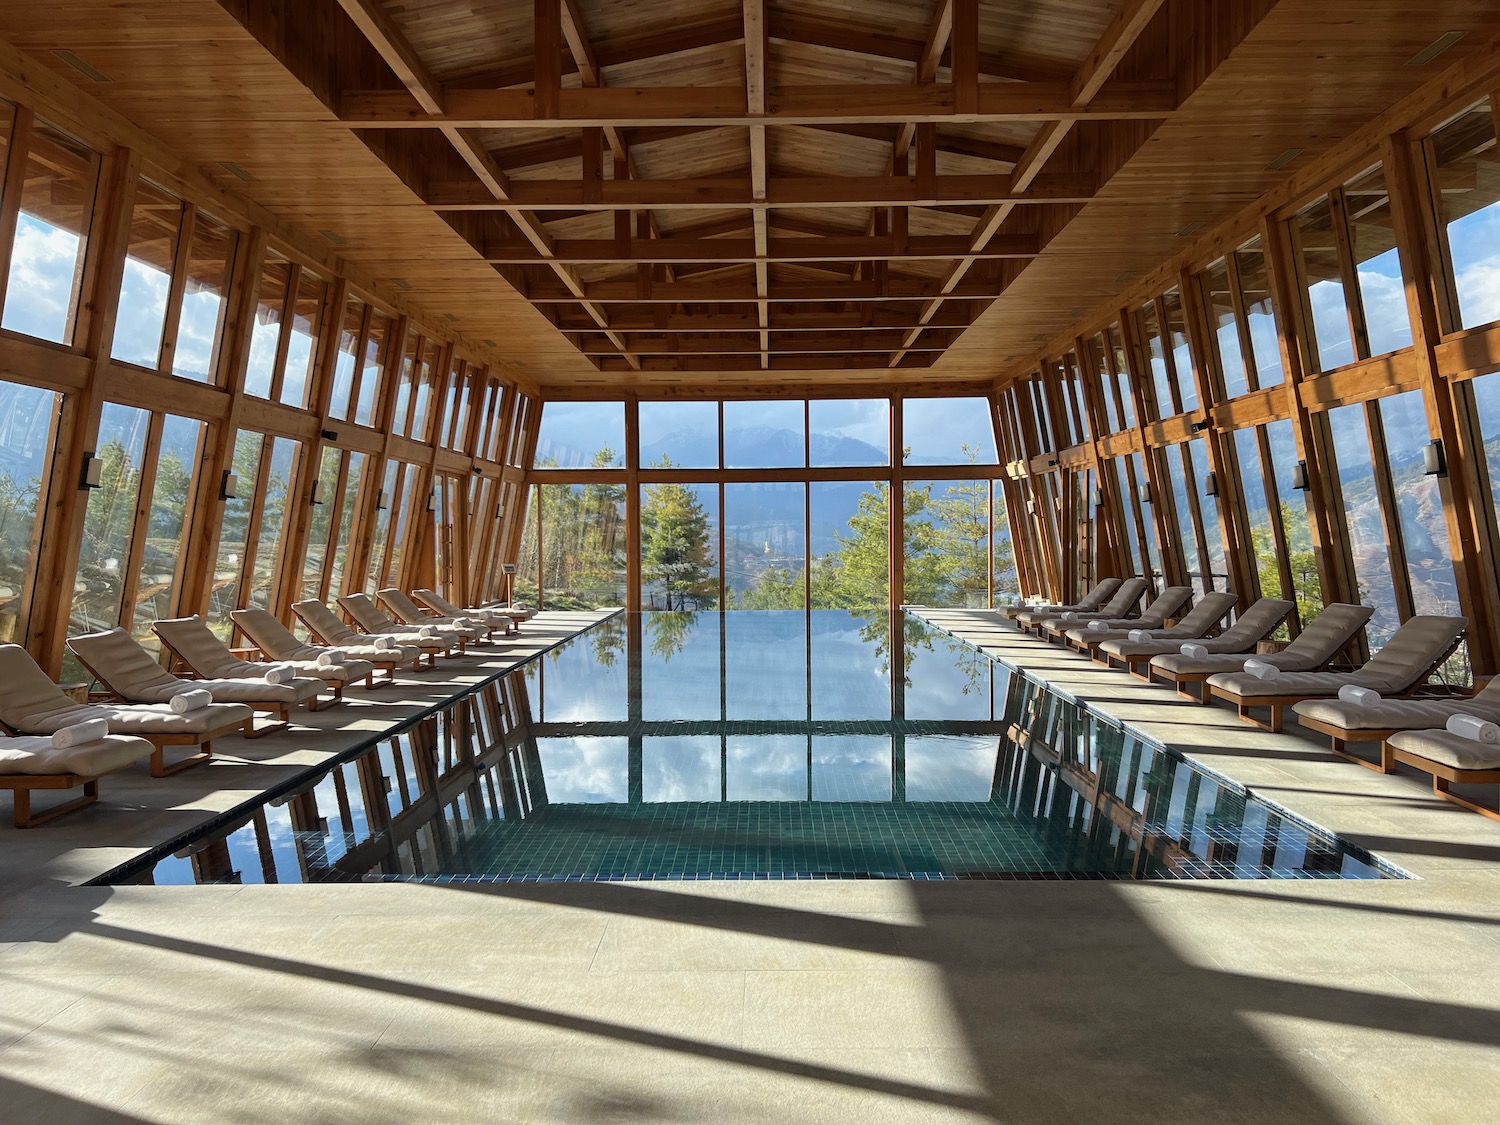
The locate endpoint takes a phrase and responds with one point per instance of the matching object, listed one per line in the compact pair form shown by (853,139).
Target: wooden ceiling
(749,192)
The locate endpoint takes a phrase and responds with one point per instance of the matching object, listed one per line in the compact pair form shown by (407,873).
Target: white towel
(1261,669)
(466,623)
(1098,626)
(91,730)
(1141,635)
(190,699)
(329,657)
(1196,651)
(278,674)
(1362,696)
(1474,728)
(385,644)
(427,633)
(1070,616)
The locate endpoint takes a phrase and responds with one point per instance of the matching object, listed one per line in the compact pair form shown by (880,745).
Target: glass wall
(765,548)
(28,435)
(583,545)
(679,546)
(583,434)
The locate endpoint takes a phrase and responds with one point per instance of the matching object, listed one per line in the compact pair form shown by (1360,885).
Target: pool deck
(1192,1002)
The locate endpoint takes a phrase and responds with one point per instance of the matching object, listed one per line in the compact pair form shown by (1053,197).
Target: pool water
(822,744)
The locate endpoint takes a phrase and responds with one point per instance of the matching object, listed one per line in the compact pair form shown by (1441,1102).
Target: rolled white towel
(278,674)
(1474,728)
(1362,696)
(1070,616)
(385,644)
(1098,626)
(191,699)
(1262,670)
(1194,650)
(427,633)
(91,730)
(466,622)
(1141,635)
(330,656)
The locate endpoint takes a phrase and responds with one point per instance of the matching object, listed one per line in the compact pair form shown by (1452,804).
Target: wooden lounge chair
(1400,667)
(31,704)
(196,646)
(369,617)
(131,674)
(1102,592)
(409,613)
(329,628)
(1449,759)
(280,644)
(500,616)
(1314,647)
(1086,637)
(1254,625)
(1345,721)
(36,762)
(1124,600)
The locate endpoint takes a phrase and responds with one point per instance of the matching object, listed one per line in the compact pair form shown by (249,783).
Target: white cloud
(43,275)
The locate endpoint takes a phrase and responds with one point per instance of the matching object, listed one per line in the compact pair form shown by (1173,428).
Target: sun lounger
(132,674)
(279,643)
(1314,647)
(1356,720)
(1468,758)
(1095,598)
(1401,666)
(196,646)
(499,616)
(30,703)
(408,612)
(329,628)
(38,762)
(1212,609)
(1087,636)
(1123,601)
(368,616)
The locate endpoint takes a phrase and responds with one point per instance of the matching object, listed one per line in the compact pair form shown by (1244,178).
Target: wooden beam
(848,248)
(730,292)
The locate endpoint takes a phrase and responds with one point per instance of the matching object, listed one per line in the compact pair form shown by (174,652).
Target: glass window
(1179,473)
(1182,354)
(1122,377)
(849,529)
(1487,409)
(171,497)
(346,363)
(265,333)
(1007,582)
(28,435)
(1362,514)
(1219,303)
(1149,545)
(1424,530)
(1255,287)
(1196,455)
(385,500)
(1377,265)
(1148,328)
(210,259)
(1258,512)
(270,543)
(1296,515)
(1467,191)
(349,509)
(686,434)
(764,434)
(1318,245)
(52,230)
(765,551)
(156,219)
(1098,373)
(1127,505)
(765,666)
(947,431)
(682,768)
(234,530)
(947,543)
(372,373)
(583,545)
(426,380)
(402,501)
(581,434)
(302,347)
(315,558)
(679,546)
(849,432)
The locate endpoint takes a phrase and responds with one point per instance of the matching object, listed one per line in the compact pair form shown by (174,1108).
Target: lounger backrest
(323,621)
(270,635)
(1095,597)
(192,640)
(1126,596)
(1328,632)
(121,664)
(1420,645)
(1206,613)
(1168,602)
(28,698)
(403,606)
(439,603)
(367,614)
(1258,622)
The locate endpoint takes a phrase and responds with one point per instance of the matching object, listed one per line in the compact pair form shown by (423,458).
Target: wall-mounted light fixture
(229,487)
(91,472)
(500,512)
(1211,484)
(507,568)
(1031,507)
(329,435)
(1098,497)
(432,501)
(1051,461)
(1434,463)
(319,492)
(1144,492)
(477,471)
(382,500)
(1299,476)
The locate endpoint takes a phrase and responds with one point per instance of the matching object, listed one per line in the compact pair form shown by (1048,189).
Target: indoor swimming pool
(755,745)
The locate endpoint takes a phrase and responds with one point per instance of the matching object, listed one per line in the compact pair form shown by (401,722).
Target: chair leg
(1440,788)
(22,816)
(338,697)
(1274,726)
(159,767)
(281,722)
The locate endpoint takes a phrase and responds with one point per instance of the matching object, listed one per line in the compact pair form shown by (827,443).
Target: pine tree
(675,551)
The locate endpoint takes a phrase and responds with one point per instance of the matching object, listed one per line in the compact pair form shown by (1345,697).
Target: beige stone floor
(784,1002)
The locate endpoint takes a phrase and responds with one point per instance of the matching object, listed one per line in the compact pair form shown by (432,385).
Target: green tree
(776,588)
(675,551)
